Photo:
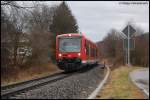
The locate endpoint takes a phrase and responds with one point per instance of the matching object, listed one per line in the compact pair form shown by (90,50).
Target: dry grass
(120,86)
(28,73)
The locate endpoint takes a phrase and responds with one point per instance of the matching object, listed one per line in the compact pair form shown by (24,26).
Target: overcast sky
(96,18)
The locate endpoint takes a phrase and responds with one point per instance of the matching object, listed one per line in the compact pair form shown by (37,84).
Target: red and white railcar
(74,51)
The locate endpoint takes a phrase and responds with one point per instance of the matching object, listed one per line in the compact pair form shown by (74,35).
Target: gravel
(77,86)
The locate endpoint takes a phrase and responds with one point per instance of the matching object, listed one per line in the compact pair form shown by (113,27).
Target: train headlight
(79,54)
(60,55)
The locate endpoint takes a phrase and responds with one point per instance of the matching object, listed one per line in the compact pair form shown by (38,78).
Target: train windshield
(69,44)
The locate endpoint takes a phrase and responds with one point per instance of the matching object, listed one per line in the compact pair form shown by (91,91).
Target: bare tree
(13,4)
(14,25)
(112,47)
(5,53)
(38,24)
(110,43)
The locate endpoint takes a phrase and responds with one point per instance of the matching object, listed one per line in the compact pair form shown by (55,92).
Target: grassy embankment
(28,73)
(120,86)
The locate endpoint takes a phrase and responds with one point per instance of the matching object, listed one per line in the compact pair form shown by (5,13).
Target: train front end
(69,51)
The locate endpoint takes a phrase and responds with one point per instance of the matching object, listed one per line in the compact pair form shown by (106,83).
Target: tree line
(112,47)
(28,32)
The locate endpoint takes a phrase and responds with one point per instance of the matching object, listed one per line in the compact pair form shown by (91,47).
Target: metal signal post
(128,31)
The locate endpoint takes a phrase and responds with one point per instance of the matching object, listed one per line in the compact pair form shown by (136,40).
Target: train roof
(70,34)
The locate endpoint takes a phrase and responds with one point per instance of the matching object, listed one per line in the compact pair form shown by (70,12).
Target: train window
(94,53)
(91,52)
(87,48)
(72,44)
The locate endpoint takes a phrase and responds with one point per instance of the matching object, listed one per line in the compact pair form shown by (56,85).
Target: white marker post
(128,46)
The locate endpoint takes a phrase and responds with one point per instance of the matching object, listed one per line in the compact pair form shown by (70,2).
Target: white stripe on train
(89,61)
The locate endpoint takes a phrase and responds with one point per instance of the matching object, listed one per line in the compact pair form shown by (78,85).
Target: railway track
(15,89)
(11,91)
